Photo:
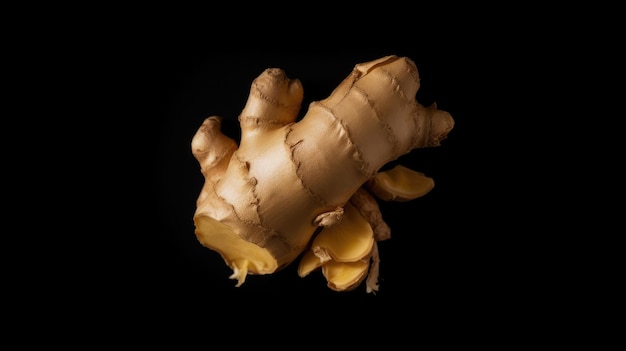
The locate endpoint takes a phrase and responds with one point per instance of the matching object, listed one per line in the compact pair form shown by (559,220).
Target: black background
(447,251)
(100,183)
(125,183)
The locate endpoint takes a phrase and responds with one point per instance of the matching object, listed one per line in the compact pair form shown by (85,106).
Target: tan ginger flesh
(400,184)
(265,198)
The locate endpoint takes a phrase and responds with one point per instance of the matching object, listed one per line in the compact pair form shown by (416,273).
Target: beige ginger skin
(265,199)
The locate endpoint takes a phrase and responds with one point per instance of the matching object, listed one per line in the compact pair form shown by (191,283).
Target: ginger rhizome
(306,188)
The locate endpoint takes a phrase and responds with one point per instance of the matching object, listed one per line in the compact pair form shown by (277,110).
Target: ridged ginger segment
(265,197)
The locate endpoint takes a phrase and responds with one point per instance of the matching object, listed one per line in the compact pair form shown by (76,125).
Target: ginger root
(305,188)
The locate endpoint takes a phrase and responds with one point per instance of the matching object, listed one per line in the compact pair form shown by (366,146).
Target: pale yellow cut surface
(349,240)
(342,276)
(242,256)
(308,263)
